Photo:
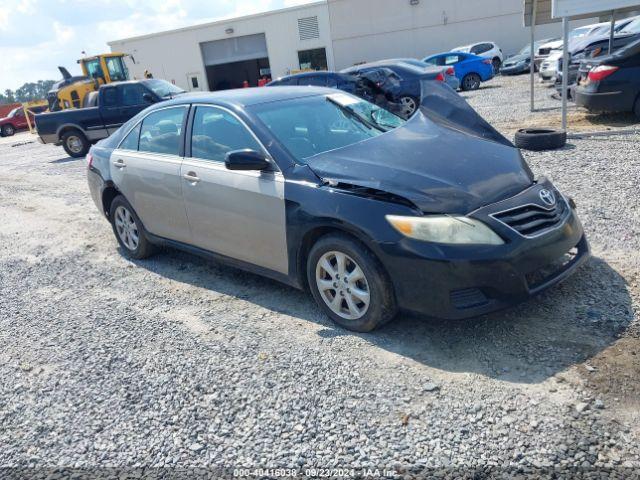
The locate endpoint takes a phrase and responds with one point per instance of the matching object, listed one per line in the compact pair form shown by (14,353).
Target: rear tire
(471,81)
(408,106)
(538,139)
(8,130)
(496,63)
(355,292)
(129,230)
(75,143)
(636,109)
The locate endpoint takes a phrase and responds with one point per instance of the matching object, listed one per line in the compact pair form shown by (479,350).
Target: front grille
(533,220)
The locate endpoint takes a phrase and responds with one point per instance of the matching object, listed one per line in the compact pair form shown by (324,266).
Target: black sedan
(611,83)
(325,191)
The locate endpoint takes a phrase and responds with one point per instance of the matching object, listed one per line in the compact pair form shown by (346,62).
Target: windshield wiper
(353,114)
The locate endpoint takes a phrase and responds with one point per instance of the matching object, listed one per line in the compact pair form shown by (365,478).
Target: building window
(194,82)
(315,59)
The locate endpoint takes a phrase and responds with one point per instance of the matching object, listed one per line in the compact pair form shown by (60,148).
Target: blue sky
(38,35)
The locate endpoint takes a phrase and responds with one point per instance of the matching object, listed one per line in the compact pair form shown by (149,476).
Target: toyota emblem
(547,197)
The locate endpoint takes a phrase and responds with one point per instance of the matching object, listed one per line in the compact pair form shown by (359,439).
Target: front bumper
(514,69)
(457,282)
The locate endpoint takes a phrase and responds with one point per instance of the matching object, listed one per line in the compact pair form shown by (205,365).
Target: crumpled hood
(438,168)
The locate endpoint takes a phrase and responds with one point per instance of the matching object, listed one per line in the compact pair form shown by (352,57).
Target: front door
(146,169)
(239,214)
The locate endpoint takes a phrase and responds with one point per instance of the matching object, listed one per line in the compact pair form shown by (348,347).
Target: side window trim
(189,132)
(124,137)
(186,117)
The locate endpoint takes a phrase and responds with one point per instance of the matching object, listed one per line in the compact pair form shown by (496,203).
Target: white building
(330,34)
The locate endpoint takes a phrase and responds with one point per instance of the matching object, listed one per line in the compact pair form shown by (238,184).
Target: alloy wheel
(408,106)
(127,228)
(342,285)
(8,130)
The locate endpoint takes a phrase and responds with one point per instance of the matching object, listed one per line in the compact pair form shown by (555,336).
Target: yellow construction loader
(72,91)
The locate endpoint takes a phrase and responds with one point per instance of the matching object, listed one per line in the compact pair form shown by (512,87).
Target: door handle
(119,163)
(191,177)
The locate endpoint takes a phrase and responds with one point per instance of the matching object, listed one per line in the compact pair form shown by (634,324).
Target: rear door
(239,214)
(146,169)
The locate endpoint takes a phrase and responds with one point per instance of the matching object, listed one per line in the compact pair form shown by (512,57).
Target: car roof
(243,97)
(390,62)
(318,73)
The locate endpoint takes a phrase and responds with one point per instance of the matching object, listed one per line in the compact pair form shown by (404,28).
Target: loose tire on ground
(75,143)
(381,306)
(127,227)
(538,139)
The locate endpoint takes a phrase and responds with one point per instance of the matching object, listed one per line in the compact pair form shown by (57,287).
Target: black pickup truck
(103,113)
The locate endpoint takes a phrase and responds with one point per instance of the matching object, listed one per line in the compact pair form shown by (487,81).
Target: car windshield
(163,88)
(313,125)
(633,27)
(13,112)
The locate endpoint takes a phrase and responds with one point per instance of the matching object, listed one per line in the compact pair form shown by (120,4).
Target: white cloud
(38,35)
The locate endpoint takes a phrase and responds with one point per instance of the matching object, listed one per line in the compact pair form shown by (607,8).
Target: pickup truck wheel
(8,130)
(75,143)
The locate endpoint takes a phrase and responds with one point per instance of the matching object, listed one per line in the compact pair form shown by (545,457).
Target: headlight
(445,229)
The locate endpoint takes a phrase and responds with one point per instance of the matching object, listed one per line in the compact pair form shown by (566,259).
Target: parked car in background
(77,129)
(340,81)
(410,78)
(470,69)
(324,191)
(611,83)
(521,62)
(14,121)
(488,50)
(594,46)
(449,73)
(579,41)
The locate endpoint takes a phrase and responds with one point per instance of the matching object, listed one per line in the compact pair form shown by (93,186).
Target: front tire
(75,143)
(129,230)
(471,81)
(349,284)
(8,130)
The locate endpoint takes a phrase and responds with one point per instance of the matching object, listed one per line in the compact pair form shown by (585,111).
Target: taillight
(440,77)
(601,72)
(89,159)
(450,71)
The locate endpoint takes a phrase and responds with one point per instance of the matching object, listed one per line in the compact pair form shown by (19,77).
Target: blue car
(470,69)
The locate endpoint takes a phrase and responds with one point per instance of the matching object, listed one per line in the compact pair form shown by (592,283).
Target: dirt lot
(179,362)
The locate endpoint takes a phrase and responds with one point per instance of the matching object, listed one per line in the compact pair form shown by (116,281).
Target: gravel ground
(179,362)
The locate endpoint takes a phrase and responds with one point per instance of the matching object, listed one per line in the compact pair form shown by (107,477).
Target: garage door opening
(233,75)
(231,62)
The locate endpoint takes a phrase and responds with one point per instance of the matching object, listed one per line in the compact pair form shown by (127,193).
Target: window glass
(216,133)
(132,94)
(313,125)
(117,70)
(315,59)
(162,88)
(109,97)
(93,68)
(130,142)
(160,132)
(451,59)
(314,80)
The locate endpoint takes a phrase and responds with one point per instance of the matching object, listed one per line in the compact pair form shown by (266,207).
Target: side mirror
(148,98)
(246,160)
